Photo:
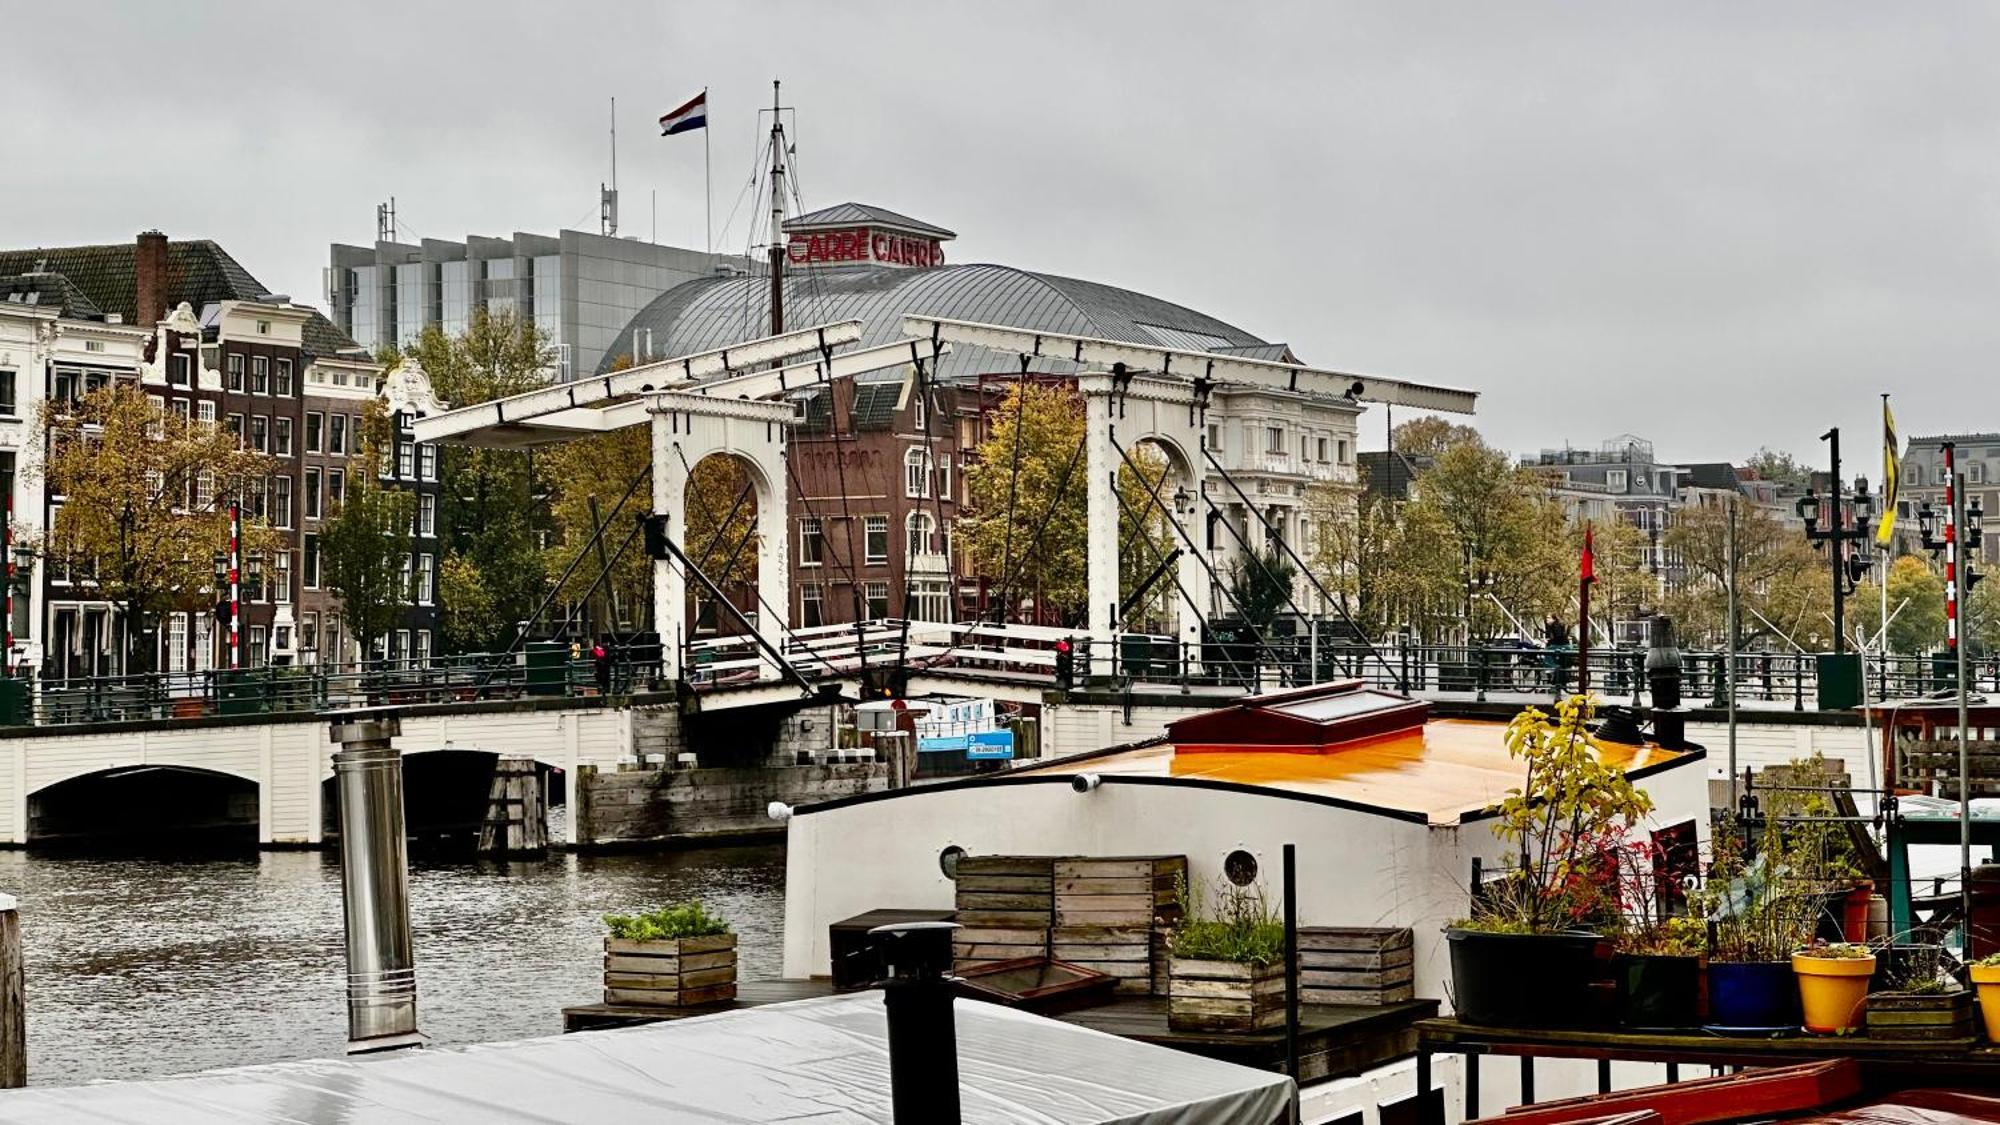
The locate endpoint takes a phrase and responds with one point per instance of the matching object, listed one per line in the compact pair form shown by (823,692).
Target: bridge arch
(1123,413)
(687,429)
(446,793)
(151,803)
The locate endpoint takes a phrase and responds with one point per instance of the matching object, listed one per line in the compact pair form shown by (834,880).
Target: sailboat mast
(777,214)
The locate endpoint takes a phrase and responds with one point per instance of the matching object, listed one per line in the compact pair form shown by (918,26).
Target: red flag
(1589,571)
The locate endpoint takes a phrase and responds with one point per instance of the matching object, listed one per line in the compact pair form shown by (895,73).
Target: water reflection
(155,966)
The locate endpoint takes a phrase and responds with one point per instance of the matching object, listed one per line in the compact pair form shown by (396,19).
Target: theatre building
(878,471)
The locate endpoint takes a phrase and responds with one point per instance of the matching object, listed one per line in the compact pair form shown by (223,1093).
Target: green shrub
(668,923)
(1241,929)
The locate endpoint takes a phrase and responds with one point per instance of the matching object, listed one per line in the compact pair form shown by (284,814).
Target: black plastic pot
(1752,994)
(1527,980)
(1656,990)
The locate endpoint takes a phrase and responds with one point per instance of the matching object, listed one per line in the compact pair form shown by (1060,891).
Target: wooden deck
(1334,1039)
(749,994)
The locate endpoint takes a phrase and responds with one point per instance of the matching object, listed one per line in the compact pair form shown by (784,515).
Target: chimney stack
(149,262)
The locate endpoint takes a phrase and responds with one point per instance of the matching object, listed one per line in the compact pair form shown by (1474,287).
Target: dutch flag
(693,115)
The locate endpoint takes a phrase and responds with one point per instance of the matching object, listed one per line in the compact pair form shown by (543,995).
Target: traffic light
(600,659)
(656,536)
(1065,665)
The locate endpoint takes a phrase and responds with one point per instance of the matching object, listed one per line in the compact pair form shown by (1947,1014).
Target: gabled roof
(860,214)
(199,271)
(49,291)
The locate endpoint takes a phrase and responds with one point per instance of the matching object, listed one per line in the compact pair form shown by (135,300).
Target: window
(920,537)
(1215,436)
(812,541)
(315,422)
(811,611)
(944,477)
(1274,440)
(283,579)
(427,514)
(425,564)
(67,386)
(235,364)
(9,381)
(1322,449)
(427,460)
(281,442)
(180,406)
(875,533)
(308,633)
(330,644)
(406,460)
(281,502)
(1614,480)
(93,345)
(178,367)
(1342,450)
(402,644)
(916,473)
(236,427)
(283,383)
(876,597)
(1975,472)
(157,427)
(312,493)
(256,656)
(336,438)
(409,575)
(933,602)
(424,646)
(205,411)
(917,411)
(260,375)
(204,491)
(263,328)
(310,569)
(336,490)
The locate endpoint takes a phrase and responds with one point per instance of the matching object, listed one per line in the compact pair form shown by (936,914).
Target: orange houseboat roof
(1344,744)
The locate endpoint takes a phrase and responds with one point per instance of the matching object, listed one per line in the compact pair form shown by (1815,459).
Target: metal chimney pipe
(375,886)
(1663,677)
(923,1036)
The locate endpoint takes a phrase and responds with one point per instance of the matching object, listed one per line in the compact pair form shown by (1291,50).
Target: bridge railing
(298,688)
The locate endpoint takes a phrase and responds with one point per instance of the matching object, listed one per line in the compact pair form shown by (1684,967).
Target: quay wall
(640,805)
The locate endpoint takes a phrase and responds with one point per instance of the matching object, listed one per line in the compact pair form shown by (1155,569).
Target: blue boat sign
(990,745)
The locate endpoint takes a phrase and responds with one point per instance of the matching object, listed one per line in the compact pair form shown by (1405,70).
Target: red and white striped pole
(235,585)
(1950,547)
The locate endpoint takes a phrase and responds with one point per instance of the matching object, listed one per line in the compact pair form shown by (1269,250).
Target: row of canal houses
(200,335)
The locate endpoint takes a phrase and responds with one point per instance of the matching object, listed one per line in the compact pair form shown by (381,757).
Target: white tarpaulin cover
(822,1061)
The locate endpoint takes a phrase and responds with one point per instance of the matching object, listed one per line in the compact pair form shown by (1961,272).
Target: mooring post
(375,885)
(13,999)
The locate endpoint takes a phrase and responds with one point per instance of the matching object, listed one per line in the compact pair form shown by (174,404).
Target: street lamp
(1846,516)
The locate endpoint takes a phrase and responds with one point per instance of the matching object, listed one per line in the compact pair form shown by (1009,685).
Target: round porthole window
(948,861)
(1240,867)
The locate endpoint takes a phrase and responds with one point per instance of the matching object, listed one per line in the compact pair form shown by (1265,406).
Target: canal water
(146,966)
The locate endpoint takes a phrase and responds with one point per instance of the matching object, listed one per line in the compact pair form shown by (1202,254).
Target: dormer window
(263,328)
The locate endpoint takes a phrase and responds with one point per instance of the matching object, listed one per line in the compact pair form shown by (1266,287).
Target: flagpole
(1888,474)
(707,182)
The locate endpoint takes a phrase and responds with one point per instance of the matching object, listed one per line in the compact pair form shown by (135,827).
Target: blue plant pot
(1752,994)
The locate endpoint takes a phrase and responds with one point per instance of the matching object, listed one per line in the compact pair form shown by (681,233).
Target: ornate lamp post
(1846,516)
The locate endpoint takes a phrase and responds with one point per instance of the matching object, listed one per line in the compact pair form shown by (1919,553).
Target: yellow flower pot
(1833,991)
(1986,979)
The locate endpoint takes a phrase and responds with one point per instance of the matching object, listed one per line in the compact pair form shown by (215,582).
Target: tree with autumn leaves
(145,504)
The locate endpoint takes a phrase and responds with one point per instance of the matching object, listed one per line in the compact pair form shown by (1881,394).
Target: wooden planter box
(670,974)
(1006,905)
(1339,965)
(1910,1015)
(1225,996)
(1125,953)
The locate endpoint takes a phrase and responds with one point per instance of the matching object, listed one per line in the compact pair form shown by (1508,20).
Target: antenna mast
(777,213)
(385,221)
(607,195)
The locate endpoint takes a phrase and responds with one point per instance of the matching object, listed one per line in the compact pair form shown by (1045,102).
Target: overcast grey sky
(1719,226)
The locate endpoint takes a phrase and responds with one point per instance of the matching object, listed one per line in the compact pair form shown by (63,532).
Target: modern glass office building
(581,289)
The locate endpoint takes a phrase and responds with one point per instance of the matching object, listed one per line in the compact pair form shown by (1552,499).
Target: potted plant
(1656,965)
(1833,985)
(1918,997)
(1528,954)
(1756,917)
(1226,971)
(1985,974)
(678,956)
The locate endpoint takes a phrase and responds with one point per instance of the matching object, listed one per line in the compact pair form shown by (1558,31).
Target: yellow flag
(1885,531)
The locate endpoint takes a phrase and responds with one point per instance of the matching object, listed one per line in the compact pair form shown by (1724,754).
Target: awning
(821,1060)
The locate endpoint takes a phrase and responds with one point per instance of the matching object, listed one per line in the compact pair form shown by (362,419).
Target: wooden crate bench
(1122,892)
(670,974)
(1124,952)
(1355,965)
